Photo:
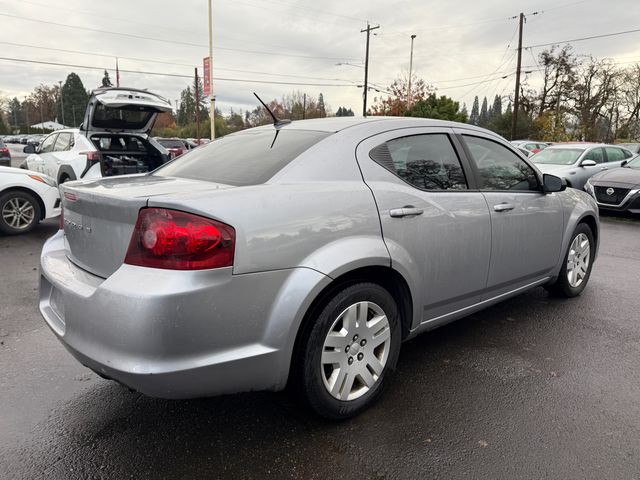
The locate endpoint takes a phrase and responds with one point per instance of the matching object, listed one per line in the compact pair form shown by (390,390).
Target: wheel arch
(385,276)
(592,223)
(66,171)
(43,210)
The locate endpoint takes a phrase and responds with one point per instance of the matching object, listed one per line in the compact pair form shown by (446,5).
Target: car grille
(614,199)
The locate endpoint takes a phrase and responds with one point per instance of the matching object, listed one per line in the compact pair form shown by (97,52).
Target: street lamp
(410,73)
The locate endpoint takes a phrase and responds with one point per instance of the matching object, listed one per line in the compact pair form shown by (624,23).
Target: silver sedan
(304,254)
(577,162)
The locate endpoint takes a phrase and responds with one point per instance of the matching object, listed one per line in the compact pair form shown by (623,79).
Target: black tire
(19,196)
(561,286)
(309,374)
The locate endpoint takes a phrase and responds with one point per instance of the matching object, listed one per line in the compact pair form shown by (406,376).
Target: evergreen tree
(349,113)
(339,113)
(464,110)
(497,106)
(106,81)
(321,107)
(483,119)
(475,112)
(16,116)
(203,111)
(187,110)
(75,99)
(442,108)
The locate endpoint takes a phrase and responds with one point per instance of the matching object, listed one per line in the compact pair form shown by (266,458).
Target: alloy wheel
(578,260)
(355,351)
(18,213)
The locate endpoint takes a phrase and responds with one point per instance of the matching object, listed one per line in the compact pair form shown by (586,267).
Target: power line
(147,60)
(220,79)
(625,32)
(173,42)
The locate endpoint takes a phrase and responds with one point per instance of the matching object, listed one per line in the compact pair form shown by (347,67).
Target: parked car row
(33,139)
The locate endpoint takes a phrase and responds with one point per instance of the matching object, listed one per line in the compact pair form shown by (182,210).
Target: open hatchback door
(123,110)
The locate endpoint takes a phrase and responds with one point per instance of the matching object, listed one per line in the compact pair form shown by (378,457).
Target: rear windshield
(249,158)
(557,156)
(127,117)
(171,143)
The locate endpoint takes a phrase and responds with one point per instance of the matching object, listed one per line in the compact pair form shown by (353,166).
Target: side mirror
(551,183)
(588,163)
(624,162)
(29,149)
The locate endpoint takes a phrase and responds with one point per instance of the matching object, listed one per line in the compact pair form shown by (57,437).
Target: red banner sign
(206,77)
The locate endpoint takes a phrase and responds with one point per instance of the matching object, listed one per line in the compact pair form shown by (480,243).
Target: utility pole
(516,97)
(197,106)
(212,99)
(366,69)
(61,103)
(410,73)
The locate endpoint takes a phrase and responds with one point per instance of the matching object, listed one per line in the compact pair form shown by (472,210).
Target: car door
(44,157)
(526,224)
(436,227)
(583,173)
(62,155)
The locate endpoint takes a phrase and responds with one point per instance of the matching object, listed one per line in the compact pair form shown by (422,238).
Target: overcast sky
(458,44)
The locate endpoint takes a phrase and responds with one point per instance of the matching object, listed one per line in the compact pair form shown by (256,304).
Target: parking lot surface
(536,387)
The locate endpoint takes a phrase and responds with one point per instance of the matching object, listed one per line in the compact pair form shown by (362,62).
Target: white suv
(112,140)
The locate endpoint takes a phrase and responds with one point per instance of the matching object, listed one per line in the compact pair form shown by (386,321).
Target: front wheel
(349,350)
(19,212)
(576,268)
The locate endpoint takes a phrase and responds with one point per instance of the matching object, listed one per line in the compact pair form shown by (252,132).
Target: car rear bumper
(175,334)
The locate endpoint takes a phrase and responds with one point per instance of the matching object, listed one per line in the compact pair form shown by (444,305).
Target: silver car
(577,162)
(304,255)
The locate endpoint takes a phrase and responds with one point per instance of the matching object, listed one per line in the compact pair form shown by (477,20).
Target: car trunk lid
(123,109)
(99,216)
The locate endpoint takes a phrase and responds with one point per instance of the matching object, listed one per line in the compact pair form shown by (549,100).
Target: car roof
(576,146)
(336,124)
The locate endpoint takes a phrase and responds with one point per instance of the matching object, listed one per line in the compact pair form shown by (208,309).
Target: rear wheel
(578,261)
(349,350)
(19,212)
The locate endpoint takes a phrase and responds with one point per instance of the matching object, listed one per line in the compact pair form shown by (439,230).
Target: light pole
(26,112)
(61,102)
(410,73)
(212,99)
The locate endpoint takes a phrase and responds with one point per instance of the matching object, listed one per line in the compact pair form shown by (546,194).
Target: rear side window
(499,168)
(427,162)
(615,154)
(63,142)
(248,158)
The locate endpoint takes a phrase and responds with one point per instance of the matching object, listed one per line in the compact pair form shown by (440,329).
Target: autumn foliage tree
(395,103)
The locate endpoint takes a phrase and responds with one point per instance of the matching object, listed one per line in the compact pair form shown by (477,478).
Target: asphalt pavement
(536,387)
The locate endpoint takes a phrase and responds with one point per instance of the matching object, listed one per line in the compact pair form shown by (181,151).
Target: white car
(112,140)
(26,198)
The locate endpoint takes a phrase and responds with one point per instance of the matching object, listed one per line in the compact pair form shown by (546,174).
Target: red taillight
(177,240)
(4,150)
(92,156)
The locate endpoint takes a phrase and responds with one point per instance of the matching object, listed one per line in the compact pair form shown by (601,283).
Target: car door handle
(604,168)
(503,207)
(406,211)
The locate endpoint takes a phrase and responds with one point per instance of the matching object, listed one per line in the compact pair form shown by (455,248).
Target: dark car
(5,155)
(617,189)
(174,146)
(633,147)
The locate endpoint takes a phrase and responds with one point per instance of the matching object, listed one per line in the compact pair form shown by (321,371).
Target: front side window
(427,162)
(597,155)
(499,168)
(47,144)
